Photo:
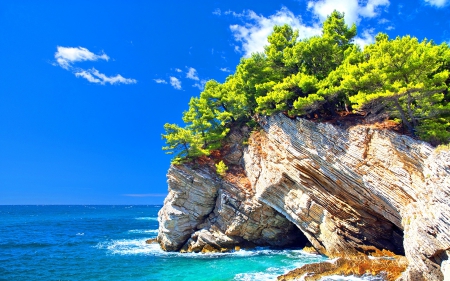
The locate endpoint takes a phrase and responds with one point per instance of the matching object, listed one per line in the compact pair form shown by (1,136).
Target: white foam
(352,278)
(147,218)
(144,231)
(270,273)
(140,247)
(257,276)
(80,234)
(129,247)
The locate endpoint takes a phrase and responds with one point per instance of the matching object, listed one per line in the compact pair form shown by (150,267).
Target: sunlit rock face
(347,190)
(353,188)
(204,212)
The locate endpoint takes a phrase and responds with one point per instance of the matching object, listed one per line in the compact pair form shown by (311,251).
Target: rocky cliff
(347,191)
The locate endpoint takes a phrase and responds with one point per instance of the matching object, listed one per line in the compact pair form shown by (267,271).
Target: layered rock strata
(349,191)
(204,212)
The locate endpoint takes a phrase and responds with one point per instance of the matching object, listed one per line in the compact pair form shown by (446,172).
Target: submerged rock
(389,268)
(348,191)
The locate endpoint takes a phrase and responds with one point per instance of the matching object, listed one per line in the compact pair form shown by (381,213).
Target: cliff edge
(345,191)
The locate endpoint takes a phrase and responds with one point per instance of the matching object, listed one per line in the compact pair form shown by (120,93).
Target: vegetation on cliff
(402,79)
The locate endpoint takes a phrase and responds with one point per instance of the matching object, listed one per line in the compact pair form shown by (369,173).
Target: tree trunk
(411,114)
(403,116)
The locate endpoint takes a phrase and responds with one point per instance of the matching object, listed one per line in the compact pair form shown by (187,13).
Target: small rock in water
(151,241)
(310,250)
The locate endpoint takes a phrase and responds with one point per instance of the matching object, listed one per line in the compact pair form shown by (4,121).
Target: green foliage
(402,77)
(183,143)
(284,95)
(281,40)
(334,27)
(221,168)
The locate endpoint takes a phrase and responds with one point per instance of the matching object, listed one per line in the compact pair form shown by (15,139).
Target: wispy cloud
(225,69)
(145,195)
(192,74)
(217,12)
(94,76)
(234,14)
(352,8)
(175,82)
(200,85)
(66,56)
(160,81)
(253,35)
(437,3)
(366,38)
(178,70)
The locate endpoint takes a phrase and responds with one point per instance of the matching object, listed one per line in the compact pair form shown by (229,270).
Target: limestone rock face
(239,219)
(204,213)
(191,199)
(354,189)
(348,191)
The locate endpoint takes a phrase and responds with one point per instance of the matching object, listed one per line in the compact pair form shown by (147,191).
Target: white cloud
(225,69)
(178,70)
(88,76)
(192,74)
(94,76)
(175,82)
(66,56)
(253,35)
(234,14)
(352,8)
(366,38)
(217,12)
(160,81)
(437,3)
(200,85)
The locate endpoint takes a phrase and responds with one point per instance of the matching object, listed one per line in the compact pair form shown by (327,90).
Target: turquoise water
(108,243)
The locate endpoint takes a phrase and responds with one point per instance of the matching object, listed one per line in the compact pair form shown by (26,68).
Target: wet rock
(388,268)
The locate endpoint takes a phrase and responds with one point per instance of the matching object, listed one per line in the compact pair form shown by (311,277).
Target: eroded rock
(349,191)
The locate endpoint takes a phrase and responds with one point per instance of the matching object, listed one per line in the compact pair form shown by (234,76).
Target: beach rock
(191,198)
(349,191)
(390,268)
(205,210)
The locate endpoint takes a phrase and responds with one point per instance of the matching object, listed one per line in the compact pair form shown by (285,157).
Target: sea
(108,243)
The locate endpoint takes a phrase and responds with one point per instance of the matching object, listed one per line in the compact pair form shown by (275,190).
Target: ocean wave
(140,247)
(147,218)
(257,276)
(365,277)
(275,272)
(128,247)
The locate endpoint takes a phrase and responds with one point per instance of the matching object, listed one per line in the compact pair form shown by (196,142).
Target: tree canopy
(406,79)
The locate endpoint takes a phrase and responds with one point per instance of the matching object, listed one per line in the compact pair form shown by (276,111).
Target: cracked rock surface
(347,190)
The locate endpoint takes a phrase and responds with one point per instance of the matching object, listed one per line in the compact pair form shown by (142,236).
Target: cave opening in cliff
(300,240)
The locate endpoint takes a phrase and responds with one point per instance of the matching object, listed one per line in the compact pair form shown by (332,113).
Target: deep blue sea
(108,243)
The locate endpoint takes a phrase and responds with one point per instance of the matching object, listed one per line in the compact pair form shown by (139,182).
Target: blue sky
(86,86)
